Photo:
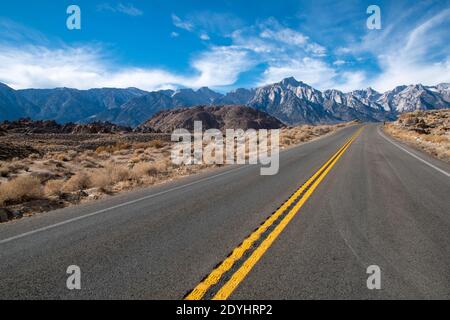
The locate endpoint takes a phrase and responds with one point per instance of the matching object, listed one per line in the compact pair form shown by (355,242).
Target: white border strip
(413,155)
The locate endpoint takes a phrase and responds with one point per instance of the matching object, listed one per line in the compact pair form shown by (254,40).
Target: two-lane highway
(349,200)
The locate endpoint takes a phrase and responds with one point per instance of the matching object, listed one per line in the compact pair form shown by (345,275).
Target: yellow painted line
(240,274)
(214,277)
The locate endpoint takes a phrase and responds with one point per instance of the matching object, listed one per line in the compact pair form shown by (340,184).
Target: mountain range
(291,101)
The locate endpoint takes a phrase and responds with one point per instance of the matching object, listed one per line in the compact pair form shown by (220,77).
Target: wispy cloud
(339,62)
(39,65)
(406,51)
(284,51)
(221,66)
(125,8)
(220,23)
(185,25)
(82,67)
(206,23)
(422,57)
(205,37)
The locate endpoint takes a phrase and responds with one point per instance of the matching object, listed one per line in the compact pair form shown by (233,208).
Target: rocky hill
(219,117)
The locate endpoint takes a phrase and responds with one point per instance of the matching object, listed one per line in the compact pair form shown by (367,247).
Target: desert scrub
(427,130)
(54,188)
(108,176)
(79,181)
(144,169)
(113,148)
(20,189)
(15,167)
(157,144)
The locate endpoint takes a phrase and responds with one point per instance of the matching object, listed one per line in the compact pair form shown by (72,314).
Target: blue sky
(153,44)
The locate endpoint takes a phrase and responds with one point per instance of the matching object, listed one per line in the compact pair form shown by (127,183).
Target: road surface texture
(338,205)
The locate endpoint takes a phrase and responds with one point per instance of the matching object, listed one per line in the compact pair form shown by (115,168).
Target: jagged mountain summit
(416,97)
(289,100)
(292,102)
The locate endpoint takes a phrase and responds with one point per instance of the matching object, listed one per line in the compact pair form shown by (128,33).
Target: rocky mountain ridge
(291,101)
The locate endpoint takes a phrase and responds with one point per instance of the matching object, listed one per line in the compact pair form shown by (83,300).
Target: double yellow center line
(235,268)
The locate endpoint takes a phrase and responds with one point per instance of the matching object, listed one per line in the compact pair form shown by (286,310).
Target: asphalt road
(374,204)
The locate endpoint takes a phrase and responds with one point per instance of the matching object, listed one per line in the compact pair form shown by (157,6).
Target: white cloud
(204,37)
(418,55)
(221,66)
(174,34)
(312,71)
(286,52)
(410,51)
(423,56)
(339,62)
(350,81)
(185,25)
(284,35)
(127,8)
(209,22)
(82,68)
(88,67)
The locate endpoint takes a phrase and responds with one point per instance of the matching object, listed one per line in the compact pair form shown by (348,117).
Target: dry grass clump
(22,188)
(62,157)
(17,166)
(157,144)
(108,176)
(159,168)
(77,182)
(144,169)
(54,188)
(113,148)
(117,172)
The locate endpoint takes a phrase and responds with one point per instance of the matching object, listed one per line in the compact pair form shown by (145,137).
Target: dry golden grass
(427,130)
(20,189)
(109,169)
(113,148)
(296,135)
(144,169)
(79,181)
(54,188)
(62,157)
(157,144)
(105,178)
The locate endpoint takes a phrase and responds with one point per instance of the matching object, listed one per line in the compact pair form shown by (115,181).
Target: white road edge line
(116,207)
(412,154)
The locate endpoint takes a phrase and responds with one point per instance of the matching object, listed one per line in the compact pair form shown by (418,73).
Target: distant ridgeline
(290,101)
